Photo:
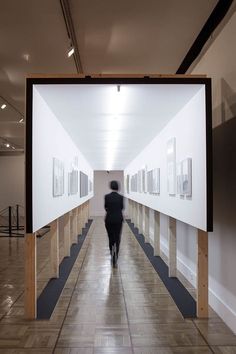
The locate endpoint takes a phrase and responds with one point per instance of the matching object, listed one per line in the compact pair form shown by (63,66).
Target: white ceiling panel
(101,120)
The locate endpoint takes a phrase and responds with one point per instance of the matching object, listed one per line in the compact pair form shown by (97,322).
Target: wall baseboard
(227,314)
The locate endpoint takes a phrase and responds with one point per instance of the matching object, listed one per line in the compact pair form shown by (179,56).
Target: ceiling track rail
(211,24)
(11,105)
(71,34)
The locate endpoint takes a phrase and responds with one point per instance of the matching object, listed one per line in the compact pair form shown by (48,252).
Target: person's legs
(117,230)
(110,232)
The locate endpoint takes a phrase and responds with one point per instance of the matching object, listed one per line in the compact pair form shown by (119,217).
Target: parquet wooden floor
(102,310)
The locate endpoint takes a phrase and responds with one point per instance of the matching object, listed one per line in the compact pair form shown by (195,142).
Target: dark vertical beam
(213,21)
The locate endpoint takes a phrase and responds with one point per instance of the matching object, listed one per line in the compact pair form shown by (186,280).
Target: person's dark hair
(114,185)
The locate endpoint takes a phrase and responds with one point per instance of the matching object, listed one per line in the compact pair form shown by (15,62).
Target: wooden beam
(140,219)
(67,236)
(146,227)
(157,239)
(136,214)
(132,211)
(202,274)
(80,219)
(172,247)
(30,276)
(54,248)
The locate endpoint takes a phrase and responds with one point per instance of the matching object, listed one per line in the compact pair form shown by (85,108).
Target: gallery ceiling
(134,36)
(119,120)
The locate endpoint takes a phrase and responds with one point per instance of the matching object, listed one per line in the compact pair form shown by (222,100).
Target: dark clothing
(114,232)
(113,220)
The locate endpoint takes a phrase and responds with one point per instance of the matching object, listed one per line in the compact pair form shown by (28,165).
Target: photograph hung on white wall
(134,183)
(153,181)
(127,184)
(90,186)
(58,177)
(140,189)
(184,178)
(73,177)
(179,179)
(144,180)
(156,181)
(187,177)
(150,181)
(83,184)
(171,166)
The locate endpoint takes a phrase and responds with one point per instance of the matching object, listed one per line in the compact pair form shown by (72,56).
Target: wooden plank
(157,246)
(202,274)
(140,219)
(30,257)
(80,219)
(136,214)
(54,248)
(74,228)
(97,75)
(67,241)
(146,227)
(172,247)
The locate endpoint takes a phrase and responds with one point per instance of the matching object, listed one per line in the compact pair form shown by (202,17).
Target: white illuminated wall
(51,140)
(188,127)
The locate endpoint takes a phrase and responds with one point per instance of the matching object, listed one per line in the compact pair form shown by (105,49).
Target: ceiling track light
(3,106)
(70,52)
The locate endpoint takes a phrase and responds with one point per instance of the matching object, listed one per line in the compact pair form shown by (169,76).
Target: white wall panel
(188,127)
(51,140)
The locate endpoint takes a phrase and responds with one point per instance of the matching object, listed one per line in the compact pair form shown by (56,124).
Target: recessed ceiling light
(21,120)
(7,145)
(26,57)
(3,106)
(70,52)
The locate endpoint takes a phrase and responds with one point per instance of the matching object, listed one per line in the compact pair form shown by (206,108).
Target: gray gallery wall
(11,180)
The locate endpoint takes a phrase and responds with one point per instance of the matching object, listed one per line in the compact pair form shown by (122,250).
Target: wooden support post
(67,241)
(157,238)
(88,211)
(202,274)
(132,211)
(140,226)
(146,230)
(172,247)
(82,215)
(80,220)
(54,249)
(136,214)
(74,235)
(30,276)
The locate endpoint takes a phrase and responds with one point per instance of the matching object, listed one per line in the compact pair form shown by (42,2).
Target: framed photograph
(171,166)
(73,178)
(156,181)
(140,187)
(127,184)
(150,181)
(58,177)
(179,178)
(83,184)
(187,177)
(144,180)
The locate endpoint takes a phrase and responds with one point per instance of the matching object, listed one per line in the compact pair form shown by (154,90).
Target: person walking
(113,221)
